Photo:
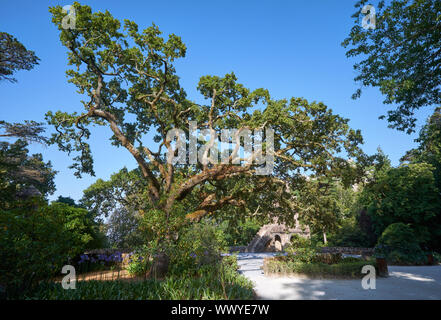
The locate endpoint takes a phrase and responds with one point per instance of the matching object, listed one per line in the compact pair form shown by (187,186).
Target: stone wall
(238,249)
(349,250)
(107,251)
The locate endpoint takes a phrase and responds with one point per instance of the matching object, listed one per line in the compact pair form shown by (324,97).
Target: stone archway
(278,243)
(267,246)
(274,237)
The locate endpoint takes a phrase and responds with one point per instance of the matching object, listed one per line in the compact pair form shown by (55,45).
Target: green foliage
(302,250)
(14,57)
(401,55)
(349,260)
(38,239)
(305,251)
(35,244)
(326,205)
(350,235)
(67,200)
(122,229)
(29,131)
(319,208)
(329,258)
(405,194)
(401,244)
(429,151)
(21,173)
(124,189)
(80,224)
(429,148)
(199,245)
(239,233)
(122,200)
(141,261)
(138,268)
(213,283)
(154,224)
(343,269)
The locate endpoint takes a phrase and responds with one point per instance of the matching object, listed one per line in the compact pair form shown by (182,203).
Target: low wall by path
(349,250)
(343,250)
(107,251)
(240,249)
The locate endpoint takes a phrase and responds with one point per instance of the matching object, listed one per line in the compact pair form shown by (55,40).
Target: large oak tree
(129,84)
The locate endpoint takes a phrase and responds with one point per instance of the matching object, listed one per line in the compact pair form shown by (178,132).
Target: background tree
(14,56)
(81,224)
(429,151)
(22,174)
(29,131)
(67,200)
(401,56)
(124,189)
(129,83)
(122,200)
(429,148)
(405,194)
(239,233)
(325,205)
(123,229)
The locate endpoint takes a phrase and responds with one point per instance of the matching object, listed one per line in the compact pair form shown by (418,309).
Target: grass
(345,269)
(168,289)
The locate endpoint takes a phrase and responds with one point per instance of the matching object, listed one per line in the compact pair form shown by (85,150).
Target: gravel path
(422,282)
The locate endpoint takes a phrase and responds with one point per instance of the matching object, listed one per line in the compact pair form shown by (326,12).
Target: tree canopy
(401,56)
(429,148)
(29,131)
(14,56)
(21,173)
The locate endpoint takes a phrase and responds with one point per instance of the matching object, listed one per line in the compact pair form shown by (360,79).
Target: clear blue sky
(290,47)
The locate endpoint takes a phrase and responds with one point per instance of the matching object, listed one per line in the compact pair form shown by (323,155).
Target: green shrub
(328,258)
(406,194)
(349,260)
(34,246)
(141,261)
(344,269)
(37,240)
(302,250)
(199,245)
(138,268)
(401,244)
